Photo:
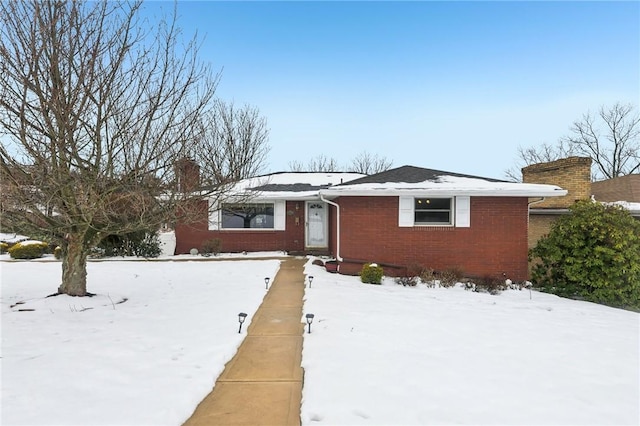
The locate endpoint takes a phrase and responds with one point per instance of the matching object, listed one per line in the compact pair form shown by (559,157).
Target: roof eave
(332,193)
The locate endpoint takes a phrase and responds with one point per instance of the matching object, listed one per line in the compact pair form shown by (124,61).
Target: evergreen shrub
(141,243)
(591,254)
(371,273)
(28,250)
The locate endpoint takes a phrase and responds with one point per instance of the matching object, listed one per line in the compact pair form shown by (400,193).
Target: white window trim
(460,212)
(279,217)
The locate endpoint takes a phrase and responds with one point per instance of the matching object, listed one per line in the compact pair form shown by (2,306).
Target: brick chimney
(572,174)
(187,174)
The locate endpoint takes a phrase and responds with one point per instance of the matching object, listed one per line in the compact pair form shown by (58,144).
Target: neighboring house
(398,218)
(574,175)
(623,190)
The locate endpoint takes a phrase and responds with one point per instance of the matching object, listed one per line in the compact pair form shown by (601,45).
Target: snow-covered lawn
(376,354)
(415,355)
(148,361)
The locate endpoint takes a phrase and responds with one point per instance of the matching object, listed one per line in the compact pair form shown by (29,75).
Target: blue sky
(456,86)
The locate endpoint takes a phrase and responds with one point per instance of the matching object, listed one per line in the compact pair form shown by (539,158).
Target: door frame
(325,224)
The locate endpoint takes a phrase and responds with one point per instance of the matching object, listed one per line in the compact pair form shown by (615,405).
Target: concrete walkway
(262,384)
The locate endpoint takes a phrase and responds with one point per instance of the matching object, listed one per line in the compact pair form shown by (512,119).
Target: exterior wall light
(266,283)
(310,280)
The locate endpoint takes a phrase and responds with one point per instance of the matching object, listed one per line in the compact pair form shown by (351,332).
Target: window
(251,215)
(432,211)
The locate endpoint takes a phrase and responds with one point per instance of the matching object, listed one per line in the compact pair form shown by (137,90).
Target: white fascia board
(271,196)
(444,192)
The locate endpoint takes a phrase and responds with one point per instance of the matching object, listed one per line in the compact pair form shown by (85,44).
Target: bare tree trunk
(74,266)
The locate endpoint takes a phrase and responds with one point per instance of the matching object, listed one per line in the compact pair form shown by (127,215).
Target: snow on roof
(634,208)
(293,185)
(448,185)
(405,180)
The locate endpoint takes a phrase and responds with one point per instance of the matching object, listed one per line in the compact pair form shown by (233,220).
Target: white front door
(317,224)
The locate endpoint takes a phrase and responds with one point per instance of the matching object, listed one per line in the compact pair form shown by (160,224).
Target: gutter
(337,206)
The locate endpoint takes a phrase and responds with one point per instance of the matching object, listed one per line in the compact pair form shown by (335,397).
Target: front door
(317,229)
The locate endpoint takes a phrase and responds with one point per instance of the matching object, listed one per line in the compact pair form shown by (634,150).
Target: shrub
(407,281)
(450,276)
(591,254)
(139,243)
(57,252)
(28,250)
(211,247)
(488,284)
(371,273)
(3,248)
(149,247)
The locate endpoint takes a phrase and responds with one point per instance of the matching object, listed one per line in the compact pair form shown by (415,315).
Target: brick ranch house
(397,218)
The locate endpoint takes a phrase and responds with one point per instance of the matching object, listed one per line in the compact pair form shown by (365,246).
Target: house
(398,218)
(574,175)
(622,190)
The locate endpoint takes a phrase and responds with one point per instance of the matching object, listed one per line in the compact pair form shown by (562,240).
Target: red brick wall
(291,240)
(496,242)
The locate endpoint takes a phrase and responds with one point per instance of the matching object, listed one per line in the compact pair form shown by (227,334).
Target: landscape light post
(309,321)
(310,280)
(241,317)
(266,283)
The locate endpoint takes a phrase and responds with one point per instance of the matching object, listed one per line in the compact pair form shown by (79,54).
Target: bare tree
(95,108)
(368,164)
(611,139)
(364,163)
(321,163)
(533,155)
(232,143)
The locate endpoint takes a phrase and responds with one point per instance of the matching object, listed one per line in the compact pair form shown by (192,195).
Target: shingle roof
(622,188)
(412,174)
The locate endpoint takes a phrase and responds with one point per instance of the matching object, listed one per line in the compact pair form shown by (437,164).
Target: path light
(266,282)
(241,317)
(310,280)
(309,321)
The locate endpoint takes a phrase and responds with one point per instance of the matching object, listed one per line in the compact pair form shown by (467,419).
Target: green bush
(28,250)
(591,254)
(211,247)
(57,252)
(139,243)
(371,273)
(3,248)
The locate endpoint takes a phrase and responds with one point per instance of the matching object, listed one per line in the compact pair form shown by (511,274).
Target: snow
(377,354)
(11,238)
(147,361)
(633,207)
(30,242)
(415,355)
(449,185)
